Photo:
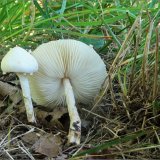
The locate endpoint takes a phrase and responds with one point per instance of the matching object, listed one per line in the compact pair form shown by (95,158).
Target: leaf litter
(49,145)
(117,115)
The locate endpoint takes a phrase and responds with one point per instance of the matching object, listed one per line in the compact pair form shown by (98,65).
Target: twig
(145,57)
(99,116)
(155,84)
(3,143)
(112,93)
(135,55)
(25,150)
(8,154)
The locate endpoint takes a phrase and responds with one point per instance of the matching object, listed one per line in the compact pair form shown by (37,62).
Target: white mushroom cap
(66,59)
(20,61)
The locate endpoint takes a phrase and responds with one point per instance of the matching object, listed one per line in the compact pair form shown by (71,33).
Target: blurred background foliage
(29,23)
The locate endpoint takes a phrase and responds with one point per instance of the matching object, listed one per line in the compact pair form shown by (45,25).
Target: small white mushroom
(22,63)
(69,70)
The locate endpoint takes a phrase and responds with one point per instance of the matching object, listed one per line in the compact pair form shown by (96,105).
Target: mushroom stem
(75,122)
(27,97)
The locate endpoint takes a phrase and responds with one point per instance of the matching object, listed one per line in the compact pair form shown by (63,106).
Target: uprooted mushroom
(69,70)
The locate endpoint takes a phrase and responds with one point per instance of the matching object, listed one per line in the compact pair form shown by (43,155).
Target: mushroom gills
(69,70)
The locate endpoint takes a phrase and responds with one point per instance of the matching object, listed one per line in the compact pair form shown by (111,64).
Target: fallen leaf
(49,145)
(30,138)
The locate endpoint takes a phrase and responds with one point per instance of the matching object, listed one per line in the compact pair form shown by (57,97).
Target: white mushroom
(22,63)
(68,70)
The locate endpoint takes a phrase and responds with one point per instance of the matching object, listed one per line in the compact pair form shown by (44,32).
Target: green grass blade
(114,142)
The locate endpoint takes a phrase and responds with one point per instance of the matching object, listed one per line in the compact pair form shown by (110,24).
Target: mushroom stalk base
(27,97)
(74,135)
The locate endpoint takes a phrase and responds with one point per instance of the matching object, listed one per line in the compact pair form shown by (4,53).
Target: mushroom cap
(66,59)
(19,60)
